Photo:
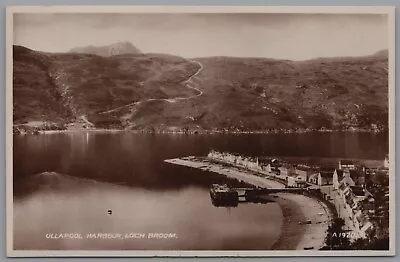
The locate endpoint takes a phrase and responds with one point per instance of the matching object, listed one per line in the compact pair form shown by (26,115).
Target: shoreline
(291,233)
(199,132)
(295,234)
(296,208)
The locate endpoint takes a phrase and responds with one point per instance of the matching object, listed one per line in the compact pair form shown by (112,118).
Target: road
(341,210)
(232,172)
(169,100)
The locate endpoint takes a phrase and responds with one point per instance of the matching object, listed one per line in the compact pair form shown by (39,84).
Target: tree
(374,244)
(336,238)
(379,244)
(359,244)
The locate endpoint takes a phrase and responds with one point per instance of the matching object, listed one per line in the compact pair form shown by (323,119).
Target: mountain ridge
(119,48)
(139,91)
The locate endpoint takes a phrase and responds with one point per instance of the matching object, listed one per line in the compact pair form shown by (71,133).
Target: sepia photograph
(200,131)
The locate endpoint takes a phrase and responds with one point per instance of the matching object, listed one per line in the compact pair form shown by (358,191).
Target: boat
(222,195)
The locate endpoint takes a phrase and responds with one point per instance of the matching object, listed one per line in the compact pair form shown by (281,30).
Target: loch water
(67,183)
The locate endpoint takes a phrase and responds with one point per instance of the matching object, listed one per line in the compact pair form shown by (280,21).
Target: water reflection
(137,159)
(81,206)
(242,200)
(125,173)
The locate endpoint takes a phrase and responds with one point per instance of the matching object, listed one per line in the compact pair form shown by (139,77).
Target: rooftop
(339,173)
(327,169)
(326,174)
(346,162)
(303,168)
(313,175)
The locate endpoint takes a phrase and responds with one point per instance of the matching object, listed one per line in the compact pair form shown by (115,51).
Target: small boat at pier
(222,195)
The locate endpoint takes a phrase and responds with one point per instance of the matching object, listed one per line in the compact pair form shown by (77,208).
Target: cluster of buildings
(344,185)
(243,161)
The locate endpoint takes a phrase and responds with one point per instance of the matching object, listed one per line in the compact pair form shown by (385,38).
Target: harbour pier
(230,172)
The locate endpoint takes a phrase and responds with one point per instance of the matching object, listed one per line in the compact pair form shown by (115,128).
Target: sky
(280,36)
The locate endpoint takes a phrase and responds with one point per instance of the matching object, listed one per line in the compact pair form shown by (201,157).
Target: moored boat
(222,195)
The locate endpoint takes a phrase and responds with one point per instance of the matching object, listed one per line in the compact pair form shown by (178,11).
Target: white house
(346,164)
(313,178)
(302,172)
(325,177)
(285,171)
(337,177)
(386,162)
(266,167)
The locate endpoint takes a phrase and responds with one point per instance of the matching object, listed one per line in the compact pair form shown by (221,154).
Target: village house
(346,180)
(245,162)
(251,163)
(267,168)
(361,222)
(302,184)
(302,172)
(344,188)
(241,161)
(214,155)
(238,160)
(230,158)
(275,163)
(265,165)
(346,164)
(313,178)
(359,193)
(285,170)
(325,176)
(386,162)
(294,180)
(337,177)
(349,202)
(291,181)
(358,204)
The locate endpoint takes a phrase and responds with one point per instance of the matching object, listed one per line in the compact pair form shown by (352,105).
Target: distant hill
(72,87)
(119,48)
(258,93)
(382,53)
(156,92)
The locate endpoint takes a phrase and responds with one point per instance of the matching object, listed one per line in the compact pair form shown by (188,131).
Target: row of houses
(242,161)
(296,175)
(358,205)
(346,179)
(322,176)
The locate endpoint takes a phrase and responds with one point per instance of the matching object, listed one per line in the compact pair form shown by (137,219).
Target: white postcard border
(11,10)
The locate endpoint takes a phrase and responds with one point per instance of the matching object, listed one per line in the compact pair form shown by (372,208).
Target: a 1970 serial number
(344,234)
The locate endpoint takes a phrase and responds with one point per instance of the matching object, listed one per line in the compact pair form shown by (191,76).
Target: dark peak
(382,53)
(21,48)
(118,48)
(124,43)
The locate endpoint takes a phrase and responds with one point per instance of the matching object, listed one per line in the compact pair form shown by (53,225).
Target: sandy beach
(296,208)
(295,234)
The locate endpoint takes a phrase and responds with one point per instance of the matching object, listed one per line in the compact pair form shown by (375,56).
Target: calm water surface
(125,173)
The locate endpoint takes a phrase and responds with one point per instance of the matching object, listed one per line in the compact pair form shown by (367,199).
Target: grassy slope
(258,94)
(239,93)
(34,94)
(87,85)
(262,93)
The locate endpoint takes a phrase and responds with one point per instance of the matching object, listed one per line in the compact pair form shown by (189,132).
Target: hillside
(156,92)
(35,97)
(120,48)
(78,87)
(330,93)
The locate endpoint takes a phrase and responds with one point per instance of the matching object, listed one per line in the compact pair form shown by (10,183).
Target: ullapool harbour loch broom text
(112,236)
